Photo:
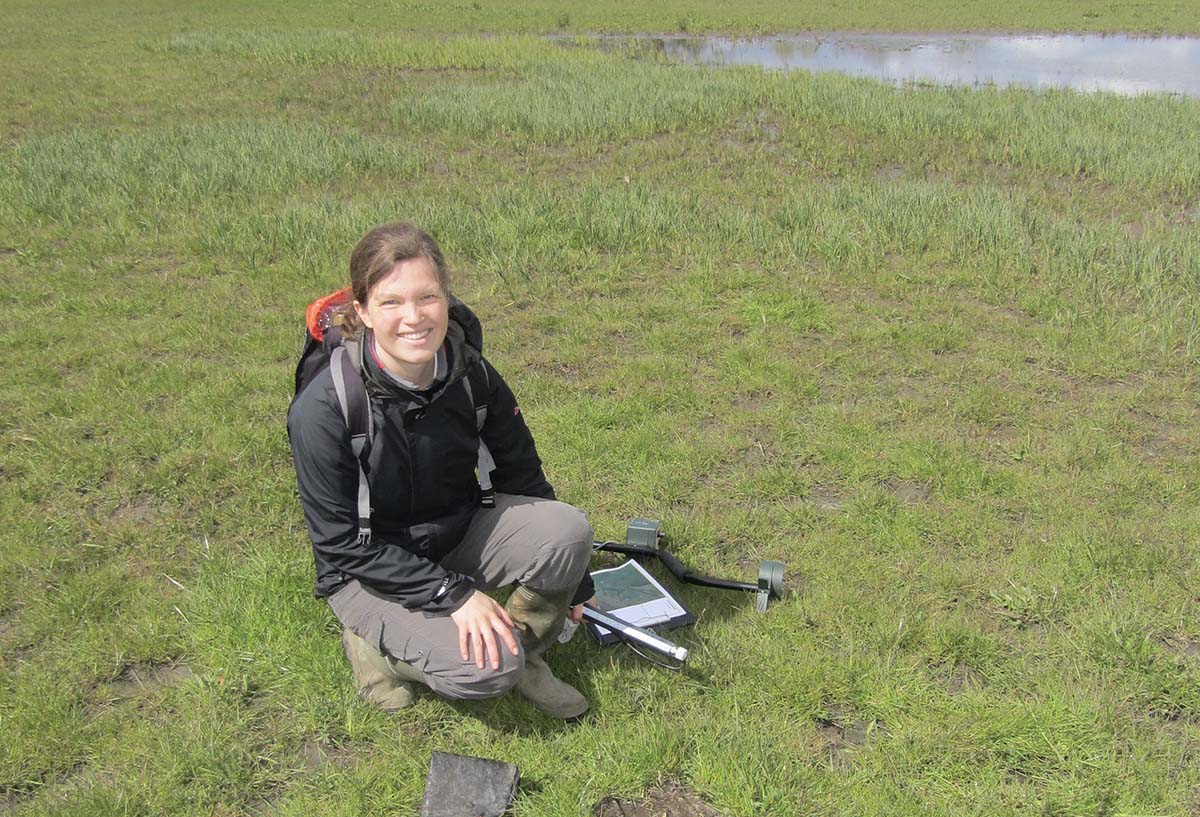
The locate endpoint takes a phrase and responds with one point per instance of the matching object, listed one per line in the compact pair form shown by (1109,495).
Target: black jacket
(424,491)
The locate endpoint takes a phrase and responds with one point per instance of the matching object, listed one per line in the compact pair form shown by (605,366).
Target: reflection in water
(1091,62)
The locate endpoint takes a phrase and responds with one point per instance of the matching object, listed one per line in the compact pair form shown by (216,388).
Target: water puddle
(1115,63)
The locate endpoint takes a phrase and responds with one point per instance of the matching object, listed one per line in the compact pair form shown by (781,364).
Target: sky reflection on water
(1115,63)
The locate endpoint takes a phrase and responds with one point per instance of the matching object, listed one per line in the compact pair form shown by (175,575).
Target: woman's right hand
(478,622)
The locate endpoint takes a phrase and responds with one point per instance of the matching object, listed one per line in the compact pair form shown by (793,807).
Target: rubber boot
(539,618)
(382,680)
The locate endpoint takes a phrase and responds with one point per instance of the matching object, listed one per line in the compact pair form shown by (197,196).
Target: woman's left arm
(518,467)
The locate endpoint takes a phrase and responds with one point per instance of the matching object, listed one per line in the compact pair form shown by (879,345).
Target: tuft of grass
(98,177)
(570,101)
(1102,137)
(331,48)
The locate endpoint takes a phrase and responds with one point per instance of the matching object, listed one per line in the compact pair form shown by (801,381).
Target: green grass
(341,48)
(933,348)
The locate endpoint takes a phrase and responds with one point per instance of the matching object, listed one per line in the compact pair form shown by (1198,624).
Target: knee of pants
(578,534)
(565,555)
(469,683)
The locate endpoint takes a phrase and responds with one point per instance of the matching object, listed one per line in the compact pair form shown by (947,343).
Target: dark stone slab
(462,786)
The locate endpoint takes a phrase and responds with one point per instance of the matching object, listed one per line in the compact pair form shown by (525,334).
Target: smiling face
(409,313)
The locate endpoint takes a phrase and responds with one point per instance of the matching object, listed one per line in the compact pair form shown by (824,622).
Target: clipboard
(633,595)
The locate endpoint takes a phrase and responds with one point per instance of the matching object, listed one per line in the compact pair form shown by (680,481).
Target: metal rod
(631,632)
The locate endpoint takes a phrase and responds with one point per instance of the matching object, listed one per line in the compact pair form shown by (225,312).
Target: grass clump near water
(1101,137)
(934,349)
(336,48)
(570,102)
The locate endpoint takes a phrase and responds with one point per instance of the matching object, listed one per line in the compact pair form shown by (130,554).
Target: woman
(412,598)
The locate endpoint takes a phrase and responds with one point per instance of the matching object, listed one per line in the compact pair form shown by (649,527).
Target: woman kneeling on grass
(411,597)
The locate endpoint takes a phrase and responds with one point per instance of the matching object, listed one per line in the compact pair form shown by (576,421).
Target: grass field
(935,349)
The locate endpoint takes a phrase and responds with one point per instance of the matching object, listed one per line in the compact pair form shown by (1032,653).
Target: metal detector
(644,538)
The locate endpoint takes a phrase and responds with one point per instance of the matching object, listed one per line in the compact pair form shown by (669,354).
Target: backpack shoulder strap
(352,393)
(356,411)
(478,386)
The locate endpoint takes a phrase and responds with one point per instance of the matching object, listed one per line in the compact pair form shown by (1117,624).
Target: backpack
(325,346)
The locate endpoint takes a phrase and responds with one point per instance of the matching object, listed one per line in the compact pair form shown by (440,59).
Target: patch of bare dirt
(5,251)
(826,498)
(756,454)
(11,654)
(750,402)
(265,801)
(568,372)
(1017,776)
(844,734)
(667,799)
(1158,218)
(908,492)
(139,679)
(762,121)
(9,800)
(137,511)
(316,755)
(1128,385)
(1159,439)
(759,130)
(901,388)
(1183,645)
(16,655)
(68,788)
(889,173)
(53,788)
(988,308)
(1003,434)
(963,679)
(905,391)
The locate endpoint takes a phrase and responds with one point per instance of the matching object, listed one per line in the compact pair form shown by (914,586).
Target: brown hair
(378,252)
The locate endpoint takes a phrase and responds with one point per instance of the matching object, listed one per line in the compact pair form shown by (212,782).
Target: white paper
(630,593)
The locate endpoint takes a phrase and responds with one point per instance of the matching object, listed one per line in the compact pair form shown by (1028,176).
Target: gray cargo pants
(542,544)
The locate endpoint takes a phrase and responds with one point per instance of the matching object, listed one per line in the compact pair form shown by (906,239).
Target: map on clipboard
(630,593)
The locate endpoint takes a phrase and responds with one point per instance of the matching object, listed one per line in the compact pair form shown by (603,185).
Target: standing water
(1115,63)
